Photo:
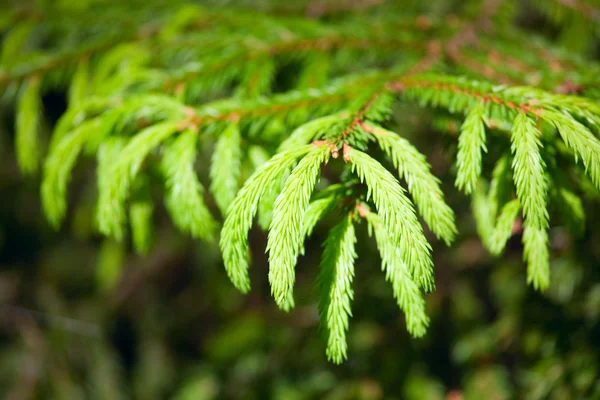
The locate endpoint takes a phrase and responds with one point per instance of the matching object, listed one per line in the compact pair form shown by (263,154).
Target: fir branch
(406,291)
(52,62)
(535,251)
(529,171)
(335,287)
(471,144)
(108,152)
(225,167)
(184,197)
(111,211)
(61,161)
(302,45)
(137,83)
(458,94)
(234,235)
(72,118)
(397,214)
(78,90)
(422,184)
(580,140)
(285,233)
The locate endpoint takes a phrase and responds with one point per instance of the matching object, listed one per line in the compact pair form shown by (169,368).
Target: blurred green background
(83,317)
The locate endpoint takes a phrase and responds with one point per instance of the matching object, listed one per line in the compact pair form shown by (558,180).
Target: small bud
(362,210)
(346,152)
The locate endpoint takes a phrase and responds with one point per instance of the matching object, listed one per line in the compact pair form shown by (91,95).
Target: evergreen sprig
(398,216)
(150,93)
(184,197)
(423,186)
(406,291)
(335,287)
(285,232)
(234,235)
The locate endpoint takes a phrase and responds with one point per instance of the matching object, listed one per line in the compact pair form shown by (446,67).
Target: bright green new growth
(471,145)
(285,233)
(579,139)
(535,251)
(406,291)
(61,161)
(225,167)
(423,186)
(149,105)
(335,287)
(111,208)
(398,217)
(234,235)
(184,192)
(78,90)
(108,152)
(528,171)
(531,186)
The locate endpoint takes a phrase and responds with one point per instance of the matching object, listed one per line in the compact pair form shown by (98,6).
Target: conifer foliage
(152,91)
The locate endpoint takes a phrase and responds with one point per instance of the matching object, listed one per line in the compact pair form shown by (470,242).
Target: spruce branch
(225,166)
(397,214)
(471,145)
(61,161)
(535,251)
(422,184)
(111,208)
(78,90)
(580,140)
(528,171)
(184,197)
(406,291)
(285,233)
(148,87)
(234,235)
(335,287)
